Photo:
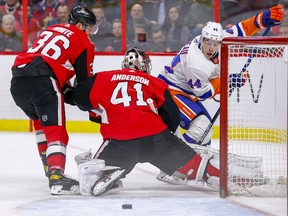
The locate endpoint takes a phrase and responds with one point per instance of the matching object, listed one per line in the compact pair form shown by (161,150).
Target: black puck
(126,206)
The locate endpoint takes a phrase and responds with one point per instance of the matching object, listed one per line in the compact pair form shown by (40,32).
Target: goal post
(253,119)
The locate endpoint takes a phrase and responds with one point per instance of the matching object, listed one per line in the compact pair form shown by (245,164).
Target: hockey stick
(246,65)
(151,105)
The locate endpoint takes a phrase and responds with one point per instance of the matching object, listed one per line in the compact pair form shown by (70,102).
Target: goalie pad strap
(202,167)
(212,170)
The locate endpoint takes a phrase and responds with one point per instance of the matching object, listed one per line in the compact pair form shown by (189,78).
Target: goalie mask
(137,59)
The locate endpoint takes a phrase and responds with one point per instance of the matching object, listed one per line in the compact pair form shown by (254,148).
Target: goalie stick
(151,105)
(246,65)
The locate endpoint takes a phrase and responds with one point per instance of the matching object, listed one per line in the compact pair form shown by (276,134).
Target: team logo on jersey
(44,118)
(215,60)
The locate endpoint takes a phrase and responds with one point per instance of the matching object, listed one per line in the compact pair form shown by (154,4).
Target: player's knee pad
(196,129)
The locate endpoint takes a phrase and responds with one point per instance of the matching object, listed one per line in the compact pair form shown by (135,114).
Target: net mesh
(257,121)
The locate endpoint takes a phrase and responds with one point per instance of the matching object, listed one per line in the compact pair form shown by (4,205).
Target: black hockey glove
(67,91)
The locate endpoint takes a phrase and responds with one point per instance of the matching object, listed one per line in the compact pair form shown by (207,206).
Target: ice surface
(24,188)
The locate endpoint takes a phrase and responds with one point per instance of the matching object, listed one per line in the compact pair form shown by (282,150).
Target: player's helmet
(213,31)
(137,59)
(83,15)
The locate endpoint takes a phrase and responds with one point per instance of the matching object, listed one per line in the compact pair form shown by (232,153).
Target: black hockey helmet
(83,15)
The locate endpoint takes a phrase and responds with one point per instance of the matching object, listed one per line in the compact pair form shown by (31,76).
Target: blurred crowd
(152,25)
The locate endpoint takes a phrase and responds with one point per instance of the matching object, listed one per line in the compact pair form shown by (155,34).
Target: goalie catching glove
(238,80)
(270,17)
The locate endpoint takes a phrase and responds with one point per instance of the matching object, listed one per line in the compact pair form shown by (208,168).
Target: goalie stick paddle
(246,65)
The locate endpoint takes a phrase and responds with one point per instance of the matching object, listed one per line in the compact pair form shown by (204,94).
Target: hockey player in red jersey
(39,87)
(135,130)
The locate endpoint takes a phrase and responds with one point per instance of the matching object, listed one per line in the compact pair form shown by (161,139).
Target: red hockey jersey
(121,98)
(62,45)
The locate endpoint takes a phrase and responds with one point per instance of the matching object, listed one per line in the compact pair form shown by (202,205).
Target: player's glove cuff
(271,17)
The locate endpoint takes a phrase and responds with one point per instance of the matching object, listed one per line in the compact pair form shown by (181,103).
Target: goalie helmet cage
(253,119)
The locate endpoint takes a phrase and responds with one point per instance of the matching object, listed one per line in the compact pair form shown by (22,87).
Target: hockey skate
(61,184)
(108,181)
(45,164)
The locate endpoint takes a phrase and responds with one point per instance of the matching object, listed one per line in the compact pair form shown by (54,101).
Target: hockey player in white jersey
(193,75)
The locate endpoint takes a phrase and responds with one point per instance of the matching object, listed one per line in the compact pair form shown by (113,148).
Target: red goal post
(253,119)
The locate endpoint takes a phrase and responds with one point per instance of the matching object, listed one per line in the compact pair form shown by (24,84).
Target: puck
(126,206)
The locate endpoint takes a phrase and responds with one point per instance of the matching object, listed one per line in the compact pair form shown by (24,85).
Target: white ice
(24,188)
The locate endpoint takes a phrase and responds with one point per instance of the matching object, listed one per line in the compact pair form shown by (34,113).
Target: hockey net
(253,119)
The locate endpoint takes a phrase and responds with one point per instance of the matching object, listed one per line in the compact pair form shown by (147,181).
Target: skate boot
(108,181)
(45,164)
(61,184)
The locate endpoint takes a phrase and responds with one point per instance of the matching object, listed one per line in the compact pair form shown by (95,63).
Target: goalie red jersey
(62,46)
(120,97)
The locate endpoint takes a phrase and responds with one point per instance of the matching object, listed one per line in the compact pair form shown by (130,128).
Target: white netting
(257,118)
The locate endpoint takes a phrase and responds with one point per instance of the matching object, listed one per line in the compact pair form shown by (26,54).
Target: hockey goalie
(245,172)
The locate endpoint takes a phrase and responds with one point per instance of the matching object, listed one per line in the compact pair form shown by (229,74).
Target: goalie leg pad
(175,179)
(196,129)
(107,181)
(83,157)
(89,172)
(191,168)
(198,169)
(205,168)
(213,172)
(242,169)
